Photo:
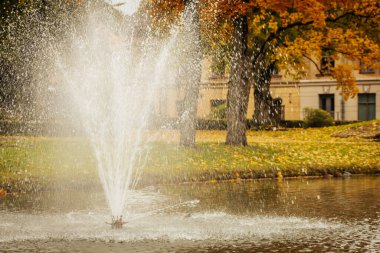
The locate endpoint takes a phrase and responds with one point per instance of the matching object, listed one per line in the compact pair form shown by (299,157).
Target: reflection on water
(280,216)
(343,199)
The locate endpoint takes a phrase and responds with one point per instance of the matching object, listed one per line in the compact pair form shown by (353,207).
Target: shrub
(292,123)
(211,124)
(218,112)
(317,118)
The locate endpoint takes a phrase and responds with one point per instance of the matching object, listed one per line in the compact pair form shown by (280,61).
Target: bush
(317,118)
(218,112)
(9,127)
(346,122)
(292,123)
(211,124)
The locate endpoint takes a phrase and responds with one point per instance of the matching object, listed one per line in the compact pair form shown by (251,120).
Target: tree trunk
(192,69)
(266,113)
(238,86)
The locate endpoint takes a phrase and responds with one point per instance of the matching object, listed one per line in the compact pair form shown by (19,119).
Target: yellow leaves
(228,8)
(291,57)
(279,175)
(345,81)
(354,45)
(257,19)
(273,26)
(69,1)
(291,12)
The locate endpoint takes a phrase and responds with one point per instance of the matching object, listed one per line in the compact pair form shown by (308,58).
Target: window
(218,69)
(276,72)
(367,106)
(327,63)
(365,70)
(217,102)
(326,102)
(283,112)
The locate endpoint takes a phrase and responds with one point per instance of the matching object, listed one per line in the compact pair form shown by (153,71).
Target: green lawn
(294,152)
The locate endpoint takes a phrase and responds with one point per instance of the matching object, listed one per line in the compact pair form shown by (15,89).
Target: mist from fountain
(113,73)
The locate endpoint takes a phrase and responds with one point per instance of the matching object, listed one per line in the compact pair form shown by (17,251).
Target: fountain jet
(117,222)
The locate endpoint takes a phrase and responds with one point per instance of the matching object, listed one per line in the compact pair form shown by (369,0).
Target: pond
(297,215)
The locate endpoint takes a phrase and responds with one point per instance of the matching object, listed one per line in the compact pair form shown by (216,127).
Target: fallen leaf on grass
(2,193)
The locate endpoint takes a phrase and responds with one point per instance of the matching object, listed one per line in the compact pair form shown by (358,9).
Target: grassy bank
(295,152)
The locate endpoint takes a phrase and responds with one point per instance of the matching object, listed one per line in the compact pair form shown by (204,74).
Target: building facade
(314,91)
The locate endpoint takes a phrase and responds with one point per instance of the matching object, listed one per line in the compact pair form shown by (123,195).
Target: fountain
(113,85)
(117,222)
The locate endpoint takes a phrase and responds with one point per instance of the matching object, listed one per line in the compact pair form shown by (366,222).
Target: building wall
(289,93)
(311,89)
(296,95)
(207,93)
(167,106)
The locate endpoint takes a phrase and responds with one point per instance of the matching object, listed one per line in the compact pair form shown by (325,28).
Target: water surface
(300,215)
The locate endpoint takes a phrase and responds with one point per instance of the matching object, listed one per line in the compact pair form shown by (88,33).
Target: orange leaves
(360,7)
(291,30)
(163,13)
(3,193)
(354,45)
(228,8)
(166,5)
(289,11)
(303,12)
(345,81)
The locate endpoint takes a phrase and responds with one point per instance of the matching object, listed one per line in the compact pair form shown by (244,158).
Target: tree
(193,68)
(283,33)
(26,26)
(239,83)
(164,15)
(8,70)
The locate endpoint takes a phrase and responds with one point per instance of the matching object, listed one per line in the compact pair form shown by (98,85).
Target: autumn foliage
(257,36)
(291,31)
